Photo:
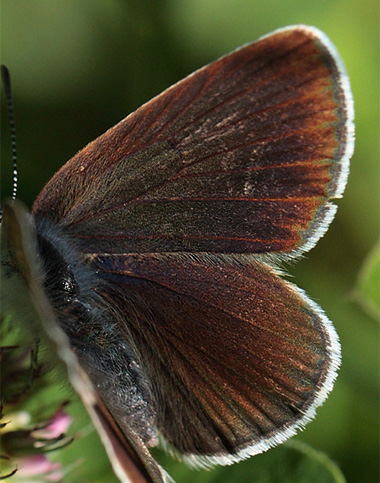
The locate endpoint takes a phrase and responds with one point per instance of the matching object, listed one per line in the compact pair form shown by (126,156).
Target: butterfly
(155,253)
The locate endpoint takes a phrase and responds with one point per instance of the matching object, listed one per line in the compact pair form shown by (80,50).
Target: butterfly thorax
(92,328)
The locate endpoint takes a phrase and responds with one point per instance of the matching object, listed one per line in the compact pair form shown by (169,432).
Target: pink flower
(57,426)
(39,465)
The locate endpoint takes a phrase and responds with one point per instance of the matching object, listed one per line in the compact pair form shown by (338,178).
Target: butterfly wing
(242,156)
(238,358)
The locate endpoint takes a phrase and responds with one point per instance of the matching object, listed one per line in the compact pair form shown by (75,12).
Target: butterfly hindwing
(237,357)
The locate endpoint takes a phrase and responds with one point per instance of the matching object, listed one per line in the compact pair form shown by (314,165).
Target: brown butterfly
(157,249)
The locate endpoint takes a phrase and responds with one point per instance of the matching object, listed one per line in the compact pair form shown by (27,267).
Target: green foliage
(367,289)
(293,462)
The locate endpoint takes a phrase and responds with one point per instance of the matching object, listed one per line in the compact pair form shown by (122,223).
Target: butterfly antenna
(6,78)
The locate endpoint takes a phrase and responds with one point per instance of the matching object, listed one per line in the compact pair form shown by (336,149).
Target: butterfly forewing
(240,157)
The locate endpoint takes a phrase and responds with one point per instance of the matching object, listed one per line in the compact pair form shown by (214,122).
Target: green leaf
(367,290)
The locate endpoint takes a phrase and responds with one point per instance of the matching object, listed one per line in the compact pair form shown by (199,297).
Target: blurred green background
(78,67)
